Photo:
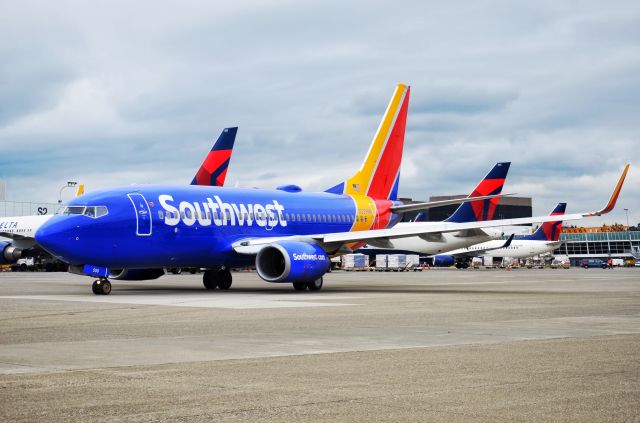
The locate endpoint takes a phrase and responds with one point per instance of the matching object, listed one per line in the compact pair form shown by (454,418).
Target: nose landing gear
(101,287)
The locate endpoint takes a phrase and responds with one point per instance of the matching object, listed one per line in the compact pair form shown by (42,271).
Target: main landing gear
(101,287)
(217,278)
(311,286)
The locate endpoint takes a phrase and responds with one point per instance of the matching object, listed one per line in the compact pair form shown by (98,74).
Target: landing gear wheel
(300,286)
(209,279)
(224,279)
(315,285)
(101,287)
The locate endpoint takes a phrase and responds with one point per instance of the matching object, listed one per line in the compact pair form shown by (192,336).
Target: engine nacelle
(9,253)
(135,274)
(443,261)
(291,261)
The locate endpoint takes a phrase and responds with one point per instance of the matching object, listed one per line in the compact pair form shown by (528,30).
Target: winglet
(508,243)
(614,197)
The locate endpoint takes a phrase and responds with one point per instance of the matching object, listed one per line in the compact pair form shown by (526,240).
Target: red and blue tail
(549,231)
(213,170)
(475,211)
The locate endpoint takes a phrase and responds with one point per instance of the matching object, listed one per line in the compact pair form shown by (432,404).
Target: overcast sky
(113,93)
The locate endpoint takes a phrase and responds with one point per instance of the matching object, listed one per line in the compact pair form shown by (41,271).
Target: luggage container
(381,262)
(355,261)
(397,262)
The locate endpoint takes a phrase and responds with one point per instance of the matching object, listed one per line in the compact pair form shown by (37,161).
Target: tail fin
(213,170)
(475,211)
(379,175)
(80,190)
(549,231)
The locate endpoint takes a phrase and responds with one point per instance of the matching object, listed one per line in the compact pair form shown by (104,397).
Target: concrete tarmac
(441,345)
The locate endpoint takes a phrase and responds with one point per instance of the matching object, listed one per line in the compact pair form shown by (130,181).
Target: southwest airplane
(544,240)
(21,229)
(287,234)
(472,211)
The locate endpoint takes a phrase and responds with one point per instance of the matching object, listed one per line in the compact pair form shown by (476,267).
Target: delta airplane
(472,211)
(21,229)
(287,234)
(544,240)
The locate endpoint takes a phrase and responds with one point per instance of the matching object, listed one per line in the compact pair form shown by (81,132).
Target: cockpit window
(89,211)
(101,211)
(73,210)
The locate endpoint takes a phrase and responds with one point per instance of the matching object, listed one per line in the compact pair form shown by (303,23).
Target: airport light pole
(627,212)
(70,184)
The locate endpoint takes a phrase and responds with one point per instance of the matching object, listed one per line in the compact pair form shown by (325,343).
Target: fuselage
(22,229)
(158,226)
(522,248)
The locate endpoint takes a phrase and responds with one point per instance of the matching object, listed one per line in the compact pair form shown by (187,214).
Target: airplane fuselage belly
(522,249)
(448,242)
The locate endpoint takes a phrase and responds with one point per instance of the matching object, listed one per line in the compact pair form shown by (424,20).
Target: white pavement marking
(227,300)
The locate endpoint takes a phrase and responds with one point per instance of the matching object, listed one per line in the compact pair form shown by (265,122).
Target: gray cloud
(122,92)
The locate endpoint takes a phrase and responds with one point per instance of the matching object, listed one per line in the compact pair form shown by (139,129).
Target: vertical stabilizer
(475,211)
(549,231)
(213,170)
(379,175)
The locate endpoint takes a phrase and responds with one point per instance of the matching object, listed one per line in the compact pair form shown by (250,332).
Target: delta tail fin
(213,170)
(379,175)
(549,231)
(475,211)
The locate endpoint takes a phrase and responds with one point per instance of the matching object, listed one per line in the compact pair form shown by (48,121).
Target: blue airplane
(287,234)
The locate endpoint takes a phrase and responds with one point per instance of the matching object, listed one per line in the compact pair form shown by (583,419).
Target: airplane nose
(59,236)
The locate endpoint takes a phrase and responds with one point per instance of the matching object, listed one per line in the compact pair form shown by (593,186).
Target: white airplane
(483,208)
(21,232)
(544,240)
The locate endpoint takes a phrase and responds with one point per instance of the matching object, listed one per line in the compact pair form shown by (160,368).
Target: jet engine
(291,261)
(9,253)
(135,274)
(443,261)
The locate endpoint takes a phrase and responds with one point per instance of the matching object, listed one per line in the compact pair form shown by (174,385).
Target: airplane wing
(334,240)
(431,204)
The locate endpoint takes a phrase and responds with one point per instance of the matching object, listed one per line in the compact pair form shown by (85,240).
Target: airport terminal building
(602,245)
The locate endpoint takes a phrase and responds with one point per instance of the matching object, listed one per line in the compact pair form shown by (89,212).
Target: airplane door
(143,214)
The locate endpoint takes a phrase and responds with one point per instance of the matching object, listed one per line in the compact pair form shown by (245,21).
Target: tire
(224,279)
(209,279)
(101,287)
(300,286)
(315,285)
